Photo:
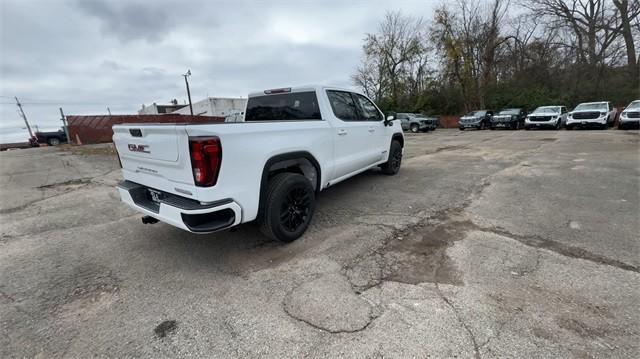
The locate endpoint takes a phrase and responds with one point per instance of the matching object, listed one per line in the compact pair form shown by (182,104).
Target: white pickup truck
(592,114)
(293,143)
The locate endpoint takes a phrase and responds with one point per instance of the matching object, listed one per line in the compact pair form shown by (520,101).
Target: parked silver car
(416,122)
(630,116)
(546,116)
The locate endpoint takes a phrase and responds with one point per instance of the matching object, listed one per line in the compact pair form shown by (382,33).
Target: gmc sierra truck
(592,114)
(293,143)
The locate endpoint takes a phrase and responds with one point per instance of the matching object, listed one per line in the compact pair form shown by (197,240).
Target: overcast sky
(85,55)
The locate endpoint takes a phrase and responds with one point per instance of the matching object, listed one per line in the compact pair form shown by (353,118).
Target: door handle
(342,132)
(371,129)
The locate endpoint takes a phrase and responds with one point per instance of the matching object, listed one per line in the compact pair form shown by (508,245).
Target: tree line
(477,54)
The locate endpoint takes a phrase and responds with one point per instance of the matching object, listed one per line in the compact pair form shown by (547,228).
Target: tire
(392,166)
(414,128)
(568,127)
(492,128)
(289,206)
(482,126)
(527,128)
(620,126)
(558,125)
(53,141)
(461,128)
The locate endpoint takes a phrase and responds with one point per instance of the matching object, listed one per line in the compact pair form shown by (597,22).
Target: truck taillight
(206,156)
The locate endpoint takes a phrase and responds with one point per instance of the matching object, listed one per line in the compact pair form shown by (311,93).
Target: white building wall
(216,106)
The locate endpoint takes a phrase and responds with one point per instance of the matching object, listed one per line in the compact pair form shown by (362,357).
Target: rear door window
(293,106)
(343,105)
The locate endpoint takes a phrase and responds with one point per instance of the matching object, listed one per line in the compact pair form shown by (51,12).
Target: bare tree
(389,54)
(628,13)
(588,22)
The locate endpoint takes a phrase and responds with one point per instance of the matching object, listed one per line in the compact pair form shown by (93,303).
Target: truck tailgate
(156,156)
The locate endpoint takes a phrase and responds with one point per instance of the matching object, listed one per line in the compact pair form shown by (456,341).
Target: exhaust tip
(149,220)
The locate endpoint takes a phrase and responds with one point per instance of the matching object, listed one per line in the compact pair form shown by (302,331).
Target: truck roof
(300,88)
(594,103)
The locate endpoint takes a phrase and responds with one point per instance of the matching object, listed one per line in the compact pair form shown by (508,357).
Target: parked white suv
(592,114)
(630,117)
(293,143)
(546,116)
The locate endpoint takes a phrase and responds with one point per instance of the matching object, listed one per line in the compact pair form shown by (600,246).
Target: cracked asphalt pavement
(486,244)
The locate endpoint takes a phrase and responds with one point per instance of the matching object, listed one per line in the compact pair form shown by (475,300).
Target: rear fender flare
(282,158)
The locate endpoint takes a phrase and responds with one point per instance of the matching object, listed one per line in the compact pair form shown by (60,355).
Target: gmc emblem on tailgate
(138,148)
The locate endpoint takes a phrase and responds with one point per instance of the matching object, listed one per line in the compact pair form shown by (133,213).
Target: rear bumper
(182,212)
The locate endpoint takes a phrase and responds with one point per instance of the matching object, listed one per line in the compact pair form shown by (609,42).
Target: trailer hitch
(149,220)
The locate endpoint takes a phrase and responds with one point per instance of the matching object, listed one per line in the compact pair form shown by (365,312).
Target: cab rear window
(294,106)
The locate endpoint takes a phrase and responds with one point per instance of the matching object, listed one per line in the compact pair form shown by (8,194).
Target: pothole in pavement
(329,303)
(447,148)
(165,328)
(414,256)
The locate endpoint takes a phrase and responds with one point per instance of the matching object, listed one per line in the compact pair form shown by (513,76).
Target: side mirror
(388,121)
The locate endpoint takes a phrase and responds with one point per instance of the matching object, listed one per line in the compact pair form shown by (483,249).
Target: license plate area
(154,196)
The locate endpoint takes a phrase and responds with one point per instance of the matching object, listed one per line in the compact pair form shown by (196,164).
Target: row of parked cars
(589,114)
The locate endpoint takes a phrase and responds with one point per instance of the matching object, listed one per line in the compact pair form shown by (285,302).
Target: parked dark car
(52,138)
(480,120)
(511,118)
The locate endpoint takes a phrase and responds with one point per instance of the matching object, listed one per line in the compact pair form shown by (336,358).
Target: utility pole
(24,117)
(188,92)
(109,110)
(64,125)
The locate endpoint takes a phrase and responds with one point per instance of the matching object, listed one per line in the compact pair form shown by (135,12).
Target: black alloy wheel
(295,209)
(288,207)
(392,166)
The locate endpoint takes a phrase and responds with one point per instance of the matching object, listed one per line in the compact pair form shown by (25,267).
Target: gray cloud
(86,55)
(130,20)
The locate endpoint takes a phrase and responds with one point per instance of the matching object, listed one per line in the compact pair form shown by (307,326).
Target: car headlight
(570,116)
(603,114)
(623,115)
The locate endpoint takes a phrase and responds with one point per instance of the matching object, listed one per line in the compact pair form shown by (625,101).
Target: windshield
(635,105)
(475,113)
(591,106)
(285,107)
(509,111)
(553,109)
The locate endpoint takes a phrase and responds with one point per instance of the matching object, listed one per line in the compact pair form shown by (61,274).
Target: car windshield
(591,106)
(635,105)
(509,111)
(553,109)
(475,113)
